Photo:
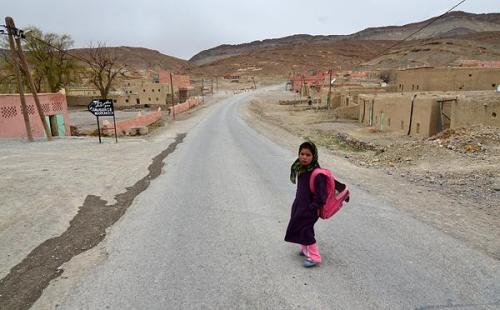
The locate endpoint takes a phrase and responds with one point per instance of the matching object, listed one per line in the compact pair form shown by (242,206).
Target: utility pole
(25,69)
(172,94)
(202,87)
(328,100)
(9,22)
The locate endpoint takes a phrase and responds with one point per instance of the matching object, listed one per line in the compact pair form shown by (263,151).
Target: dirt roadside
(58,199)
(451,189)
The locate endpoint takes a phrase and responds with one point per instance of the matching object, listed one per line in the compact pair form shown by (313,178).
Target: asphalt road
(208,234)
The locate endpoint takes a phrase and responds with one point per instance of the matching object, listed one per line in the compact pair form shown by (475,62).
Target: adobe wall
(351,112)
(123,127)
(392,112)
(447,79)
(471,110)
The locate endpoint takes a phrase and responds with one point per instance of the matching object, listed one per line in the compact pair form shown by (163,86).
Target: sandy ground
(43,184)
(453,190)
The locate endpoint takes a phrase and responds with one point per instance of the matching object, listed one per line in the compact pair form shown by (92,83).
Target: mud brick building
(54,107)
(447,79)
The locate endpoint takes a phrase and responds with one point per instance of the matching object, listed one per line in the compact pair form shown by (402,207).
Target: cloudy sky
(183,28)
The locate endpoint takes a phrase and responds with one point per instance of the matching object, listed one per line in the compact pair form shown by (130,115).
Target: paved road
(208,234)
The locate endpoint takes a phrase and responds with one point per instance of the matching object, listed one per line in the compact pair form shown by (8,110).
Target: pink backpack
(337,193)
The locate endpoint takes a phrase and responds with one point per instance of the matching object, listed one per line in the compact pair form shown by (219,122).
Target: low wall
(190,103)
(473,110)
(79,101)
(351,112)
(123,127)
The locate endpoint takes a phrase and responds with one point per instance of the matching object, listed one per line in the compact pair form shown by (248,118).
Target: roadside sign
(103,107)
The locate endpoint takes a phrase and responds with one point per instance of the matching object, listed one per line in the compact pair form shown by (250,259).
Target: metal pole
(202,94)
(172,93)
(114,121)
(328,103)
(10,26)
(98,129)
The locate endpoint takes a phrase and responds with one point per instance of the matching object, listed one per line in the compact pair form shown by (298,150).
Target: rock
(138,131)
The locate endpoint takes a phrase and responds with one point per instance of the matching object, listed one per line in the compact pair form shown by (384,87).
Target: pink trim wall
(190,103)
(12,120)
(122,127)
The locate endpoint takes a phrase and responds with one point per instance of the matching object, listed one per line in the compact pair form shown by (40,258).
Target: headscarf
(297,168)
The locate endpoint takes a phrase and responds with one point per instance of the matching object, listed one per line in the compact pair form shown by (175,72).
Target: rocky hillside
(305,52)
(283,60)
(139,58)
(439,52)
(450,25)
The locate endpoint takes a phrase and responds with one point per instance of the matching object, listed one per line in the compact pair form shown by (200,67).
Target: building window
(126,100)
(494,85)
(156,98)
(494,115)
(138,101)
(418,127)
(389,122)
(470,75)
(153,90)
(128,84)
(149,99)
(402,125)
(158,90)
(143,90)
(418,87)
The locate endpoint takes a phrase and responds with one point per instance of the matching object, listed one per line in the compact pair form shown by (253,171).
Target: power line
(418,30)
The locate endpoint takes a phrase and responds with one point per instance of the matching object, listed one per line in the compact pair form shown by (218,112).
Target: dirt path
(405,186)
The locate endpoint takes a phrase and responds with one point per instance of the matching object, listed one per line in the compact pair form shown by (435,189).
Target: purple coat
(305,209)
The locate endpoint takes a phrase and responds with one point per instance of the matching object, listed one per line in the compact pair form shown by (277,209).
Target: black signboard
(102,107)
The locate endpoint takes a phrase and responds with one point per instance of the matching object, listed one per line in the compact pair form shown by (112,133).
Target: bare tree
(387,76)
(104,68)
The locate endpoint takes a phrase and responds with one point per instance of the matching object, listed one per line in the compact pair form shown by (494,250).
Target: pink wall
(188,104)
(12,120)
(122,127)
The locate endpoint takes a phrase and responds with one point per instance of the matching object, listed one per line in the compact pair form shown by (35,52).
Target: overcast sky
(183,28)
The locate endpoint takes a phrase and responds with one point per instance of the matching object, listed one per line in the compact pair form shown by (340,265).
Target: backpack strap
(315,172)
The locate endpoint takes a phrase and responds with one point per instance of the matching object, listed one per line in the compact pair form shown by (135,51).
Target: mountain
(139,58)
(439,52)
(305,52)
(451,24)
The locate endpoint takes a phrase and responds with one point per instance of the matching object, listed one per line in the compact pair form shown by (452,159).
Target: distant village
(415,101)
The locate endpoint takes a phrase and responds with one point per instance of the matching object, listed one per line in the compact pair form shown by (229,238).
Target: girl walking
(305,206)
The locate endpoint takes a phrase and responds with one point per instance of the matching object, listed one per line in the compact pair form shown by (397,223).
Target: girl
(305,206)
